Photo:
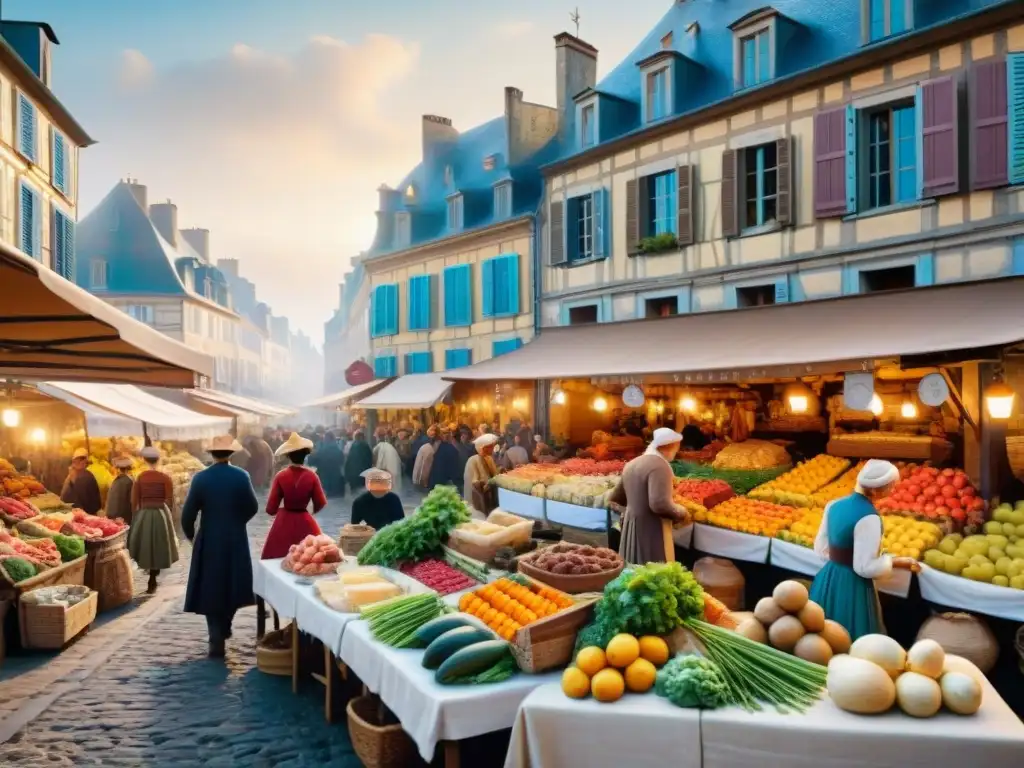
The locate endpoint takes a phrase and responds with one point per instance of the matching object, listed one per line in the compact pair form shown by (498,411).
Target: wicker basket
(1015,453)
(100,549)
(52,626)
(377,744)
(573,585)
(549,643)
(274,652)
(352,540)
(964,635)
(68,573)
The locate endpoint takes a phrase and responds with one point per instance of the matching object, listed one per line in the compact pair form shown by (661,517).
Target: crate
(548,644)
(67,573)
(50,627)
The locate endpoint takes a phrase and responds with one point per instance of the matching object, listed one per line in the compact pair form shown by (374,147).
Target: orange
(575,683)
(654,649)
(640,676)
(607,685)
(591,660)
(622,650)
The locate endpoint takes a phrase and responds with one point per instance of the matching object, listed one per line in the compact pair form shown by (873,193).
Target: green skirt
(152,542)
(848,599)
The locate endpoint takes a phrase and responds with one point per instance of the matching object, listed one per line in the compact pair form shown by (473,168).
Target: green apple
(975,545)
(1003,566)
(955,565)
(956,538)
(937,559)
(1002,513)
(1016,568)
(993,526)
(1016,517)
(1015,550)
(1009,529)
(947,546)
(997,540)
(995,553)
(981,572)
(1000,581)
(1017,582)
(1020,530)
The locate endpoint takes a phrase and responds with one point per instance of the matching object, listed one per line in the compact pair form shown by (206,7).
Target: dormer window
(503,200)
(885,18)
(755,58)
(449,177)
(410,194)
(657,94)
(661,75)
(755,45)
(588,125)
(403,229)
(455,217)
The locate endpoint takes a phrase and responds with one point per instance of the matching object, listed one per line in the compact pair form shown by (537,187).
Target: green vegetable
(759,673)
(472,568)
(742,481)
(692,681)
(451,641)
(394,622)
(498,673)
(471,660)
(420,534)
(70,547)
(433,629)
(650,599)
(18,569)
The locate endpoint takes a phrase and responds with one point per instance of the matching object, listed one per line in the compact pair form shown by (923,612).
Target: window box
(666,241)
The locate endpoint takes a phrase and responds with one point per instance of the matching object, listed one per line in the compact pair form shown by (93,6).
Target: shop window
(755,58)
(755,296)
(761,186)
(588,130)
(657,94)
(884,18)
(666,306)
(890,171)
(583,315)
(891,279)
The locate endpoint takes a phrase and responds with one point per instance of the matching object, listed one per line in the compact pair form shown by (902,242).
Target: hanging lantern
(876,406)
(998,400)
(11,417)
(908,410)
(600,404)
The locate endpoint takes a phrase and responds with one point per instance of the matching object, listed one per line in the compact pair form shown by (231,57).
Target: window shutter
(600,222)
(505,346)
(730,193)
(988,115)
(419,303)
(25,214)
(557,229)
(782,290)
(830,162)
(391,292)
(457,358)
(632,218)
(69,249)
(784,201)
(512,287)
(1015,133)
(57,244)
(26,128)
(458,303)
(685,221)
(489,287)
(59,166)
(37,225)
(939,157)
(644,191)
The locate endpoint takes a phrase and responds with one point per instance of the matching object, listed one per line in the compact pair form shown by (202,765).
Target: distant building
(347,333)
(39,167)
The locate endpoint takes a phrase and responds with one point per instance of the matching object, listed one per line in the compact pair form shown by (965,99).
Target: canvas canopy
(417,390)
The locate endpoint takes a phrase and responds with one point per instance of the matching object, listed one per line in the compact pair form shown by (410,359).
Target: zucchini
(451,641)
(471,660)
(434,628)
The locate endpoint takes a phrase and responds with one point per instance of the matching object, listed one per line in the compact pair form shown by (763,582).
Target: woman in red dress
(293,488)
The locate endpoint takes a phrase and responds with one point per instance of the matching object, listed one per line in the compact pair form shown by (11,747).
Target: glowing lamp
(876,406)
(908,410)
(558,397)
(600,404)
(11,418)
(998,400)
(38,435)
(688,404)
(798,403)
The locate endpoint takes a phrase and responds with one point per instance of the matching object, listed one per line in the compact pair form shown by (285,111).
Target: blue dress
(846,597)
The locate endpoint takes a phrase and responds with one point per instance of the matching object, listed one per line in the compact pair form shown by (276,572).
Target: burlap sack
(113,578)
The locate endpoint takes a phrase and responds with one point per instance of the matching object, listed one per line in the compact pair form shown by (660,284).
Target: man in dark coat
(359,459)
(80,488)
(220,580)
(445,469)
(328,461)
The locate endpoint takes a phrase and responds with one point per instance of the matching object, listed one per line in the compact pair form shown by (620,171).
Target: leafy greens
(420,534)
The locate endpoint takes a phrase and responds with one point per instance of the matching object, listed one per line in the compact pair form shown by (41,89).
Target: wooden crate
(548,644)
(67,573)
(52,626)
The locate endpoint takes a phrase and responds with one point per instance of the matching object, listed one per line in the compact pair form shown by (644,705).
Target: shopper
(223,501)
(152,542)
(119,497)
(294,488)
(329,461)
(262,462)
(378,506)
(424,459)
(477,490)
(359,459)
(386,457)
(80,487)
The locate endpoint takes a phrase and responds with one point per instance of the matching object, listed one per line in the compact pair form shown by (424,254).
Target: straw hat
(294,443)
(374,475)
(224,443)
(80,453)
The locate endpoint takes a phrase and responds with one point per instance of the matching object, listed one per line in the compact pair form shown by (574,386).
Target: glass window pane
(876,19)
(763,57)
(769,209)
(897,16)
(770,182)
(749,55)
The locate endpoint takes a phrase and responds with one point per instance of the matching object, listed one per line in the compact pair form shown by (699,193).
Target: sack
(484,501)
(113,578)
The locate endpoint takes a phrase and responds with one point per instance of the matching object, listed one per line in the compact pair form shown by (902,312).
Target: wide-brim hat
(80,453)
(375,475)
(122,462)
(150,452)
(295,442)
(224,443)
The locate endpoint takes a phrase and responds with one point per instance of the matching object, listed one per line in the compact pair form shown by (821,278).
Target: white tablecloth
(521,504)
(683,537)
(276,586)
(552,731)
(575,516)
(827,737)
(793,557)
(725,543)
(429,712)
(978,597)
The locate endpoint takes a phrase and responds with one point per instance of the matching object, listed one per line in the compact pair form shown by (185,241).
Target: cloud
(514,29)
(278,155)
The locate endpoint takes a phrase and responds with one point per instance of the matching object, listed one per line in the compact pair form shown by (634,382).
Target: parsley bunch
(650,599)
(419,535)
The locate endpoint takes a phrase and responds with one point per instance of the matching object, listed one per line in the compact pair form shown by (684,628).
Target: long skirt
(152,542)
(288,528)
(848,599)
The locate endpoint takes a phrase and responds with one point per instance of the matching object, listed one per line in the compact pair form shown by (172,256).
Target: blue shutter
(1015,105)
(851,159)
(420,314)
(457,358)
(505,346)
(392,309)
(489,287)
(782,290)
(512,284)
(385,366)
(26,220)
(59,171)
(375,314)
(897,16)
(419,362)
(876,19)
(458,295)
(601,223)
(69,249)
(58,244)
(749,76)
(924,270)
(26,128)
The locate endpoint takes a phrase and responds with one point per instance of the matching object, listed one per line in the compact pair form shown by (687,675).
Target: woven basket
(964,635)
(271,657)
(66,573)
(52,626)
(376,744)
(352,539)
(1015,453)
(573,585)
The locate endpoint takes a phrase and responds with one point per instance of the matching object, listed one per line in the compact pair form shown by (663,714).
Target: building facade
(745,155)
(39,144)
(347,333)
(449,272)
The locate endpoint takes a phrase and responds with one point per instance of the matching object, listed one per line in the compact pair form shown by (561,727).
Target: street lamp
(998,400)
(11,417)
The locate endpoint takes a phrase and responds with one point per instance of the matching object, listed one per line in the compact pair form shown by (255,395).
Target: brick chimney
(165,218)
(575,71)
(199,239)
(438,137)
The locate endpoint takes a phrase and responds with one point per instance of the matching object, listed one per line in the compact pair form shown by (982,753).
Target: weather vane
(574,17)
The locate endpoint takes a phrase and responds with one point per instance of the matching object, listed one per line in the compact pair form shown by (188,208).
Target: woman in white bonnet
(849,540)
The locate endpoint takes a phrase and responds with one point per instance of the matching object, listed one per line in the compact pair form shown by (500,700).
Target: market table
(826,736)
(793,557)
(429,712)
(732,544)
(522,504)
(552,731)
(574,516)
(975,596)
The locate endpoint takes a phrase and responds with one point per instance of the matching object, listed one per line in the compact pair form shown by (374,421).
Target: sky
(272,122)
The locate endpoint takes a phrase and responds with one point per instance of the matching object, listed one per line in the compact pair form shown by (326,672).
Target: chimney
(227,266)
(138,192)
(165,218)
(575,71)
(199,239)
(438,137)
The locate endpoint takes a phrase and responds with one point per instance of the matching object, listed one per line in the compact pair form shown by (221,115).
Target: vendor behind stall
(480,469)
(378,506)
(80,488)
(119,497)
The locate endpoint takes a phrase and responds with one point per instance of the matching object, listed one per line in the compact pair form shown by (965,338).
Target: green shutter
(1015,112)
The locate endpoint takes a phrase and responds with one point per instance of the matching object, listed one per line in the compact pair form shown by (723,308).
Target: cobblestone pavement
(138,690)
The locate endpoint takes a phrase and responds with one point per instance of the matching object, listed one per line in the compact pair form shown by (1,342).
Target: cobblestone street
(138,690)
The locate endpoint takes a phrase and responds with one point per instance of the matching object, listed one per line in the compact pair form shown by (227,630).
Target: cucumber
(471,660)
(451,641)
(434,628)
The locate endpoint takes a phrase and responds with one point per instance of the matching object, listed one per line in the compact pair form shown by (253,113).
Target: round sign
(933,390)
(358,373)
(633,396)
(858,389)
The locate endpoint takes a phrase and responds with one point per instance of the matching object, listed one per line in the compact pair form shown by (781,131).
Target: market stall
(275,414)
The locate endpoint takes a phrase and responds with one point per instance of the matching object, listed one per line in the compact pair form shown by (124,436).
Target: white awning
(243,403)
(417,390)
(346,396)
(746,342)
(163,420)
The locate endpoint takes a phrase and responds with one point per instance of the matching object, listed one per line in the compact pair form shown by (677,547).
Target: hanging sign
(358,373)
(633,396)
(858,389)
(933,390)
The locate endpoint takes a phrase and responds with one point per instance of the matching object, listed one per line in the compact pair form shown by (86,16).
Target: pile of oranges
(746,515)
(506,606)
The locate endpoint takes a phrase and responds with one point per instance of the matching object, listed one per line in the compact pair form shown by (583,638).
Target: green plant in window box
(659,243)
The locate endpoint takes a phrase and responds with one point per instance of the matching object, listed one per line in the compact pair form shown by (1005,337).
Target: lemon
(608,685)
(575,683)
(591,660)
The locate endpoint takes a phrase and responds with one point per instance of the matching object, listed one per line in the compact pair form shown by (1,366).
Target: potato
(767,611)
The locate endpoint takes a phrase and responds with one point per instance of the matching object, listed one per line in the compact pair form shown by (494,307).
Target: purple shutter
(632,218)
(830,163)
(940,156)
(989,156)
(730,193)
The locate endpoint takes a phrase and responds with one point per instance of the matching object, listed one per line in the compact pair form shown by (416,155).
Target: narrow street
(138,690)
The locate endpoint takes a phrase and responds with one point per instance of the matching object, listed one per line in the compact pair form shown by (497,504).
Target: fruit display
(994,557)
(529,479)
(751,454)
(804,529)
(877,674)
(17,509)
(792,623)
(421,534)
(795,487)
(842,486)
(16,485)
(92,527)
(907,537)
(582,491)
(706,493)
(740,480)
(574,559)
(944,495)
(356,588)
(626,663)
(507,605)
(438,575)
(705,455)
(746,515)
(182,467)
(313,556)
(590,467)
(41,557)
